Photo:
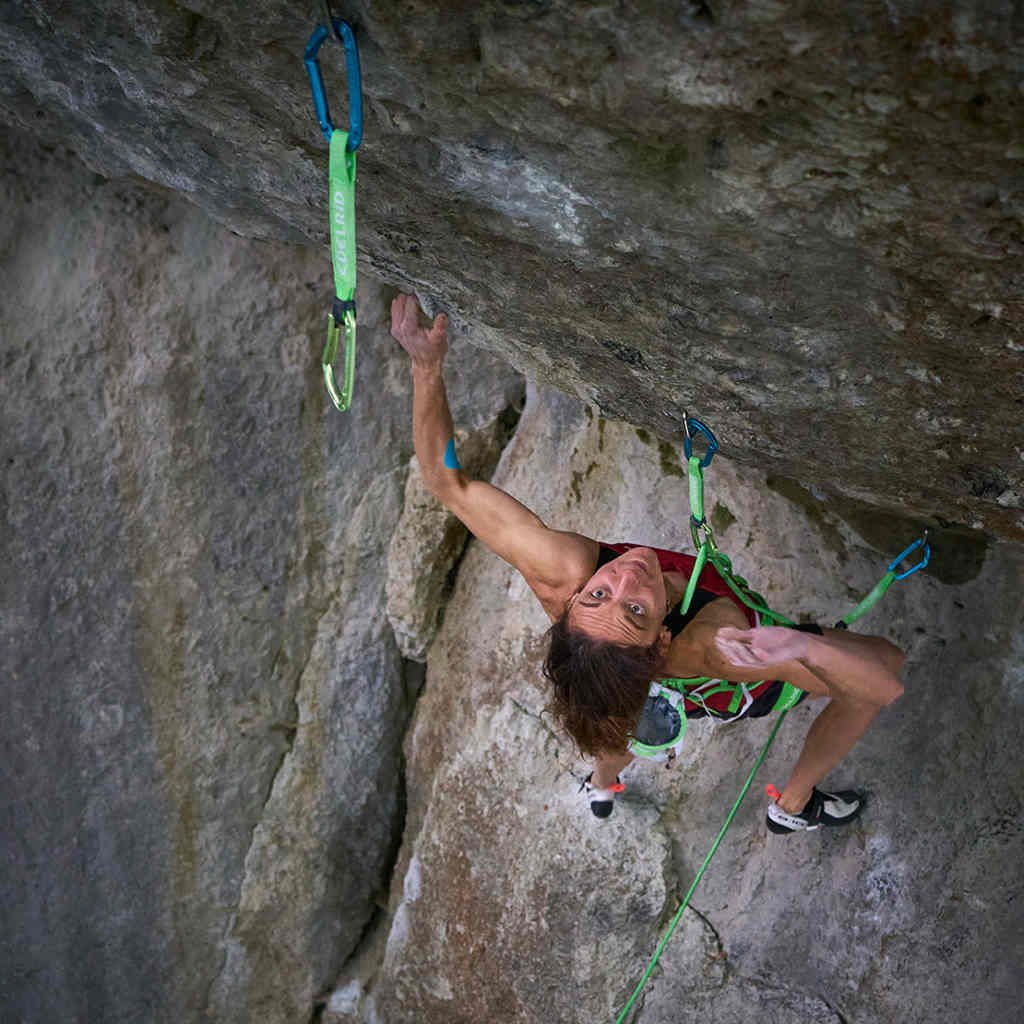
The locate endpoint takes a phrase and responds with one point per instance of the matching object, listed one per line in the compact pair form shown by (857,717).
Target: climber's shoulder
(571,561)
(554,563)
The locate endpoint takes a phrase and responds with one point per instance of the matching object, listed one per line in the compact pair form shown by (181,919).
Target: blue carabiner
(690,421)
(926,554)
(355,89)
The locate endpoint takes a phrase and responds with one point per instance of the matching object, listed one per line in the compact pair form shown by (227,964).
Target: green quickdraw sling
(708,552)
(342,173)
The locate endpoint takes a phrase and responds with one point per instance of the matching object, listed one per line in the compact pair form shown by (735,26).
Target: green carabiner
(341,399)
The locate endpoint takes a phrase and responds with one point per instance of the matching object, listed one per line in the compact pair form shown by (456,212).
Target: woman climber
(616,627)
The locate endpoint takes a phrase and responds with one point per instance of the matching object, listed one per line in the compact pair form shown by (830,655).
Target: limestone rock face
(428,542)
(801,223)
(511,902)
(204,701)
(805,221)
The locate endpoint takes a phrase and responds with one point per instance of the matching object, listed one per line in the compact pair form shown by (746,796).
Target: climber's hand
(426,347)
(761,647)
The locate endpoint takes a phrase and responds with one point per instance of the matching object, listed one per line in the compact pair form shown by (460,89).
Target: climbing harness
(342,173)
(663,737)
(708,552)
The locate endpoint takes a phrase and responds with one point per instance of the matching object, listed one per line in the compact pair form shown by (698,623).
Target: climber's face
(624,602)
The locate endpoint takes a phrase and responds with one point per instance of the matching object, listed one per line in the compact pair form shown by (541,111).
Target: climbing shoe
(828,809)
(602,801)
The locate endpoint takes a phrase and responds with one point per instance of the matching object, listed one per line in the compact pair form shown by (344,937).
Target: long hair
(599,687)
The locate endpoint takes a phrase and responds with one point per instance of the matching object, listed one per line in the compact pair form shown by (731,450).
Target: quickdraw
(891,577)
(708,552)
(343,146)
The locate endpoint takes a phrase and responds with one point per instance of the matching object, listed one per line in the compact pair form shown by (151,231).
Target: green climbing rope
(700,873)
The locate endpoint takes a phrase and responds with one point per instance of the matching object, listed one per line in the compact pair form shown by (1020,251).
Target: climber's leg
(830,738)
(606,769)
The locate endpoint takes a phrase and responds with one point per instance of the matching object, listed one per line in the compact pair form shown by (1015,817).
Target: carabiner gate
(925,555)
(691,422)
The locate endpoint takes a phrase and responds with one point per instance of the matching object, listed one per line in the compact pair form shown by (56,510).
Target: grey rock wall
(203,698)
(801,222)
(205,705)
(511,902)
(801,219)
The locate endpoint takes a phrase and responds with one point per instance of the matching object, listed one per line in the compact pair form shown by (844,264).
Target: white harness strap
(716,716)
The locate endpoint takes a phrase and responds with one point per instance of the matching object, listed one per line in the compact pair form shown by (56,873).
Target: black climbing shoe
(828,809)
(602,801)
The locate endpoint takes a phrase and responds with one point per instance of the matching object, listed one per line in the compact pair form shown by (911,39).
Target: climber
(615,626)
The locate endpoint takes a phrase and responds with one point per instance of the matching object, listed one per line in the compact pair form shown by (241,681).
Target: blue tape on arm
(451,460)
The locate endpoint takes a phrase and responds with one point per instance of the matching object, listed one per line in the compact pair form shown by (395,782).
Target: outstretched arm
(854,665)
(546,558)
(432,425)
(717,643)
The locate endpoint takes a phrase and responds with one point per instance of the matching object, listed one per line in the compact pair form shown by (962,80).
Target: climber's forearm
(866,667)
(432,425)
(494,517)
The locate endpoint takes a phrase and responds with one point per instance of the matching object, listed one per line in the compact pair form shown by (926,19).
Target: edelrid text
(341,249)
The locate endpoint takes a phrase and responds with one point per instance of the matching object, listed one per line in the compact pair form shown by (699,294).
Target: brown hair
(599,687)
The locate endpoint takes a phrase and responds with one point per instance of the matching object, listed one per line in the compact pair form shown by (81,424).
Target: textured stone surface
(803,219)
(204,702)
(428,542)
(511,902)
